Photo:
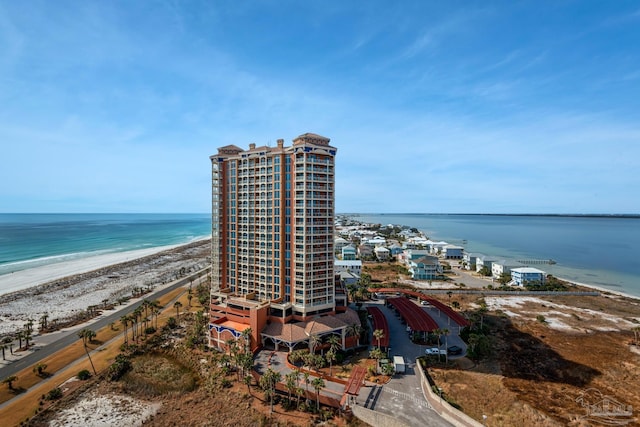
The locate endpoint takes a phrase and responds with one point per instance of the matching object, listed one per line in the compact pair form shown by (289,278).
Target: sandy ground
(24,279)
(66,296)
(560,317)
(100,410)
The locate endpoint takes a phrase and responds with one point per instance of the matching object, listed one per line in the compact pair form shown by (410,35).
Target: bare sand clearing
(557,316)
(83,283)
(94,409)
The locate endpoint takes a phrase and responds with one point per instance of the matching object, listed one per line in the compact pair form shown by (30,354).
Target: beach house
(349,253)
(340,243)
(355,266)
(501,267)
(382,253)
(469,260)
(452,252)
(527,276)
(425,268)
(485,261)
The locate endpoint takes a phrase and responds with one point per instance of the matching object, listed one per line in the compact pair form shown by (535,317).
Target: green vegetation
(84,375)
(54,394)
(551,284)
(155,374)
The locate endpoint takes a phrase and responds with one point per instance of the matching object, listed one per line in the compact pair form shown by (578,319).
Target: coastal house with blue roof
(395,250)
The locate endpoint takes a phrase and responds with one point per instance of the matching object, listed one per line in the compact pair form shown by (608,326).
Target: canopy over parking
(417,319)
(380,322)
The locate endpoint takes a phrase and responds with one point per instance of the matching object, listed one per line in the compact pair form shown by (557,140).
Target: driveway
(401,397)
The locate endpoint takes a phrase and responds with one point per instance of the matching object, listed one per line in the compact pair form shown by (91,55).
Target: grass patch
(156,374)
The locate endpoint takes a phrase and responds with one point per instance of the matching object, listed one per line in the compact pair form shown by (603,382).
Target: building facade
(272,229)
(527,276)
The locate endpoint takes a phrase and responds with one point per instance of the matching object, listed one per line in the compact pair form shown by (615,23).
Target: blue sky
(502,107)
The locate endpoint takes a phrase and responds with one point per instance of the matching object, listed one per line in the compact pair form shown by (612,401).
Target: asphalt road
(402,397)
(71,336)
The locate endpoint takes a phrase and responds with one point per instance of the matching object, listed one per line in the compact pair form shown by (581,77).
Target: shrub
(84,375)
(540,318)
(120,367)
(54,394)
(172,323)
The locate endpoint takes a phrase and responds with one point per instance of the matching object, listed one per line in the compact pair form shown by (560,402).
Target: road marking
(407,396)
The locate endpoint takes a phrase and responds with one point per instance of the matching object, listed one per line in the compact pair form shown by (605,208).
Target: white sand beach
(63,290)
(24,279)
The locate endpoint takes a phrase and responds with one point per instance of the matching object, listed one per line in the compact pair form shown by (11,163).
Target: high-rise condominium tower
(272,227)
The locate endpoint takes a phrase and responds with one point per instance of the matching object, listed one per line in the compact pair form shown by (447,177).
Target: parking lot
(402,397)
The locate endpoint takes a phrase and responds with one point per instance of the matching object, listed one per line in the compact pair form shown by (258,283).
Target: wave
(52,259)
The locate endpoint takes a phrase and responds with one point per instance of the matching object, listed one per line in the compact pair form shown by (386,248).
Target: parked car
(454,349)
(431,351)
(425,303)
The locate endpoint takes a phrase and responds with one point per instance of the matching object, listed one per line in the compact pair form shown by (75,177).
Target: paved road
(68,337)
(402,397)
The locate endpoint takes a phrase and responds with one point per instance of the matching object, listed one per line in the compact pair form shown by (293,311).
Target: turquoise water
(602,251)
(32,240)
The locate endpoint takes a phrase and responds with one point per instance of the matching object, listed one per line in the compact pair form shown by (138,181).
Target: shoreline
(600,289)
(33,277)
(104,278)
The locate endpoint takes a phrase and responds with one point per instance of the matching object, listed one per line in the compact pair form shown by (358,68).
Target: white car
(425,303)
(431,351)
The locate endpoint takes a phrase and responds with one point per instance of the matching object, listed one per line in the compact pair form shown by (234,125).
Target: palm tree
(27,336)
(10,380)
(177,306)
(290,381)
(455,305)
(246,335)
(3,346)
(355,330)
(314,340)
(335,342)
(268,383)
(39,369)
(439,333)
(156,313)
(189,296)
(125,322)
(331,357)
(318,384)
(87,335)
(378,335)
(446,332)
(43,321)
(306,382)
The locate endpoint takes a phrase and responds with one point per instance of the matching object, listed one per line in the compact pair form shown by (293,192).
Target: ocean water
(597,250)
(33,240)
